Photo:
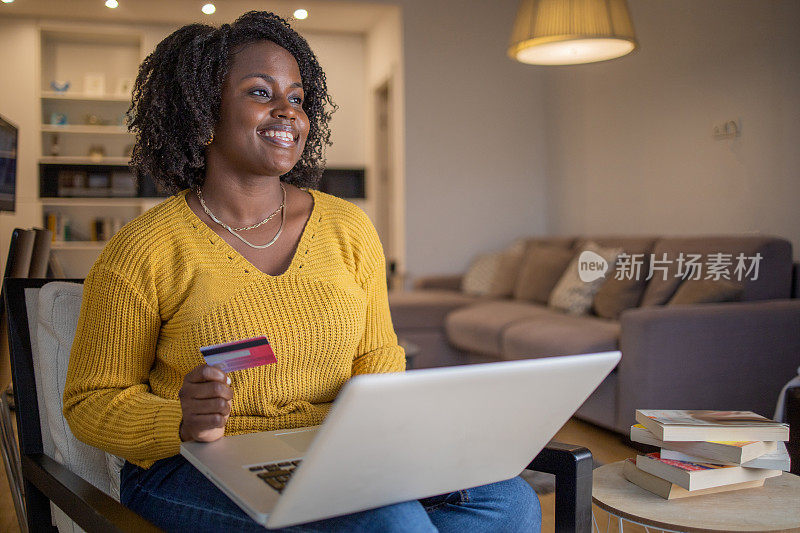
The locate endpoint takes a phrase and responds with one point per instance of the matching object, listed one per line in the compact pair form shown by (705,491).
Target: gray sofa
(730,355)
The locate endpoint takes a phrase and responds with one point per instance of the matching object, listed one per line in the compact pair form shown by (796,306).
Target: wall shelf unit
(86,189)
(83,160)
(87,129)
(77,97)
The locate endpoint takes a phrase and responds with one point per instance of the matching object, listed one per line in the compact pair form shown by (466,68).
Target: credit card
(238,355)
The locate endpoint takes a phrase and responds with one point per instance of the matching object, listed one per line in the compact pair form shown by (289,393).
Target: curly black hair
(176,100)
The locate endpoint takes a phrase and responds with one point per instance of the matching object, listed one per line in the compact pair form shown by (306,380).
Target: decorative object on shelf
(55,149)
(93,120)
(124,86)
(94,84)
(71,183)
(103,228)
(569,32)
(60,226)
(123,184)
(97,152)
(58,119)
(98,183)
(59,86)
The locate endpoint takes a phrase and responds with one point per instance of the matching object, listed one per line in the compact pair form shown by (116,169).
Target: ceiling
(351,17)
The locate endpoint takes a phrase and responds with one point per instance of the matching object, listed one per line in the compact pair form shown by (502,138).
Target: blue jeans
(175,496)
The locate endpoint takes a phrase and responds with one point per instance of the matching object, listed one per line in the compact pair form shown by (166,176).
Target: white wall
(385,70)
(475,135)
(19,104)
(630,142)
(343,58)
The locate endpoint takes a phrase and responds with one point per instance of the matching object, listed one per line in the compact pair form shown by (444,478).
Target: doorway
(384,182)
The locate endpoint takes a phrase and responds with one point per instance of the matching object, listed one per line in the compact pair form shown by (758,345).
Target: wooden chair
(28,256)
(46,480)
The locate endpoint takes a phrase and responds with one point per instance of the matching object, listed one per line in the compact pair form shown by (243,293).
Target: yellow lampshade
(568,32)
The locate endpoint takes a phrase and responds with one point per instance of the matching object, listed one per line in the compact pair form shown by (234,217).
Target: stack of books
(704,452)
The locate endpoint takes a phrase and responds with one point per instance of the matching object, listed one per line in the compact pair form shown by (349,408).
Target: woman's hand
(206,404)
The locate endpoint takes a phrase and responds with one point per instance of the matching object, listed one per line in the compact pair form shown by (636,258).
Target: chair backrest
(43,317)
(40,256)
(28,257)
(20,251)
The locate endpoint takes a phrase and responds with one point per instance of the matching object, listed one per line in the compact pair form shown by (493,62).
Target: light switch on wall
(728,130)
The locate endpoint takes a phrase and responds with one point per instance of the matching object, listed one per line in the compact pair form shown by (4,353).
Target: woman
(234,120)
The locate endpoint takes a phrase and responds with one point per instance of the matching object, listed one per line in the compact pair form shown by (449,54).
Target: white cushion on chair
(57,321)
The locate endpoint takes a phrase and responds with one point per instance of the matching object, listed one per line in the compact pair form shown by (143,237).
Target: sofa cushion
(494,274)
(425,308)
(572,294)
(707,291)
(616,295)
(480,274)
(556,333)
(774,266)
(478,328)
(556,242)
(541,269)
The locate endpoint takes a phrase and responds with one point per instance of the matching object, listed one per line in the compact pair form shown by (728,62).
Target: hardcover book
(694,476)
(679,425)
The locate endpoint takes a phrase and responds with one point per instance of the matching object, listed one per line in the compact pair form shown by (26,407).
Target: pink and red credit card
(238,355)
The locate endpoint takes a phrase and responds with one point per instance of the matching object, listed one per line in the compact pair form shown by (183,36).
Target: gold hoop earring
(210,140)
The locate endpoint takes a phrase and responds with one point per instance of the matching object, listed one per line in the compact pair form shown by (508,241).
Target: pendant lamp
(568,32)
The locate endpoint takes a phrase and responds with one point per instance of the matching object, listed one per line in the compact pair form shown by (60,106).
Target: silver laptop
(397,437)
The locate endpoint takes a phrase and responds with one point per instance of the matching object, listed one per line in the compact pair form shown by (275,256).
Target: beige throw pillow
(481,273)
(494,274)
(573,295)
(541,269)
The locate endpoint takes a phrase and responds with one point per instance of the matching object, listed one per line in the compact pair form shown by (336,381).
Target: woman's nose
(284,109)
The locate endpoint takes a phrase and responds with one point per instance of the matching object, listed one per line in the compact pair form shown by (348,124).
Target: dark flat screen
(8,165)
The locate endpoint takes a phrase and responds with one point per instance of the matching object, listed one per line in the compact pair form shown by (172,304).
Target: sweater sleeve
(107,397)
(378,350)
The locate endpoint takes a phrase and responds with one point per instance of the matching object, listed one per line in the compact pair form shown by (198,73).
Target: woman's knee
(515,501)
(398,518)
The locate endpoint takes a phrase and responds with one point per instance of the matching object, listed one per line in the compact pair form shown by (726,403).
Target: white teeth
(283,135)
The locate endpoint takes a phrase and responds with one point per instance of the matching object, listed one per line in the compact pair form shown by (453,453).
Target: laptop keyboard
(276,475)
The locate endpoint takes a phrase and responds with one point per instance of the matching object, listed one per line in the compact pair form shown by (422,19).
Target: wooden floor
(605,446)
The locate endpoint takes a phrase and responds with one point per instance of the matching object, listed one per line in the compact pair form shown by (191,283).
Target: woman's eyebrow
(268,78)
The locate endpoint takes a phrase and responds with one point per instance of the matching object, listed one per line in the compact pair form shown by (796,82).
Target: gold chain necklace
(281,208)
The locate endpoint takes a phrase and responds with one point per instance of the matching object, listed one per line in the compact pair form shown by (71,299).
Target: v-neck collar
(296,265)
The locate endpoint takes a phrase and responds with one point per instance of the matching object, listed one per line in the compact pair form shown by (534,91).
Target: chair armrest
(450,282)
(572,465)
(89,507)
(731,356)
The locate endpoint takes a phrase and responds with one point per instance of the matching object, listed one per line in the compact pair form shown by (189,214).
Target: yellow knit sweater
(166,285)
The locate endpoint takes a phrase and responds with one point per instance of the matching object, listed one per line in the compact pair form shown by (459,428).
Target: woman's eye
(260,92)
(297,100)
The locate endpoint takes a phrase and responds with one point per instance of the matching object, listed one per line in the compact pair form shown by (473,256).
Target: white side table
(773,507)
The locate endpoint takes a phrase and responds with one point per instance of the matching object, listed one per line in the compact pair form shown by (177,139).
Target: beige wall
(475,135)
(384,66)
(19,104)
(630,147)
(343,58)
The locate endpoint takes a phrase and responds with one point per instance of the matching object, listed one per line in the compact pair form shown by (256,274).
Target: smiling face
(262,128)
